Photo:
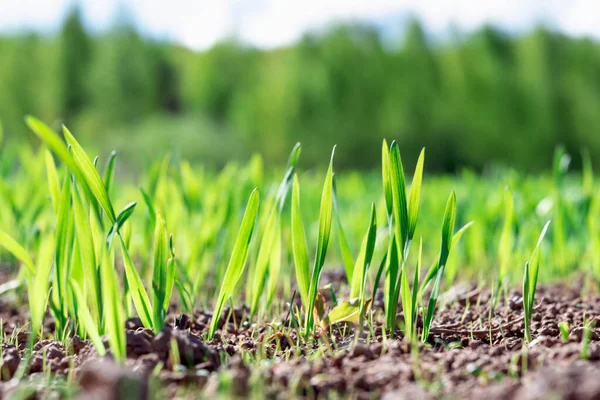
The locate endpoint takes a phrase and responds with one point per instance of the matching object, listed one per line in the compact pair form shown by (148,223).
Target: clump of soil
(473,351)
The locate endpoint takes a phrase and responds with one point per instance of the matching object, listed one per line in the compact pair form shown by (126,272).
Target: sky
(270,23)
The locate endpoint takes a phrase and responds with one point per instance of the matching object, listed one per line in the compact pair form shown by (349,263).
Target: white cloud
(199,23)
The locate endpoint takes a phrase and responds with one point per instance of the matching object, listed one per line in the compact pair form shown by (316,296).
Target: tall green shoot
(308,282)
(237,262)
(163,273)
(403,215)
(271,234)
(446,246)
(530,278)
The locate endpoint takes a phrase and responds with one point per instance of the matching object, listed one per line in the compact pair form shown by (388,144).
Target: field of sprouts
(294,283)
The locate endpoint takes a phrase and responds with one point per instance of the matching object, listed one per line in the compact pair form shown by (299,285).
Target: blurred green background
(473,100)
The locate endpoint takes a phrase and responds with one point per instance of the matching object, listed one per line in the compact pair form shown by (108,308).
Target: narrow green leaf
(363,261)
(170,274)
(262,259)
(87,250)
(17,251)
(114,313)
(91,175)
(534,263)
(299,247)
(109,171)
(84,317)
(387,179)
(53,181)
(150,205)
(38,289)
(60,149)
(434,267)
(325,217)
(407,304)
(398,185)
(415,196)
(120,221)
(237,262)
(138,292)
(160,273)
(63,242)
(415,291)
(392,264)
(446,245)
(448,228)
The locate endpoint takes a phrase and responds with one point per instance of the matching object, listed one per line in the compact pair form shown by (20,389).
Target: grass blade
(109,171)
(136,288)
(398,186)
(114,317)
(17,251)
(91,175)
(446,245)
(160,273)
(299,247)
(325,217)
(86,319)
(237,262)
(53,181)
(87,251)
(363,261)
(415,196)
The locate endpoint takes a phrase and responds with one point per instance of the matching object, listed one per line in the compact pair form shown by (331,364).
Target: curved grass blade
(17,251)
(91,175)
(447,234)
(109,171)
(57,146)
(433,269)
(237,262)
(325,217)
(120,221)
(415,196)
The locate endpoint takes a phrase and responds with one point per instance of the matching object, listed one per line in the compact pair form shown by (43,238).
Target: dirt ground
(464,358)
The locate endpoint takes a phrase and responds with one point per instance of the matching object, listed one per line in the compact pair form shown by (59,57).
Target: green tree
(75,53)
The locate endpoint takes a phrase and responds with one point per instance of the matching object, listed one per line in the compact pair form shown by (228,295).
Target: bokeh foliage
(470,99)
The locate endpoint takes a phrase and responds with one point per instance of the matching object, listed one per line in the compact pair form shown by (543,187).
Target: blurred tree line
(486,97)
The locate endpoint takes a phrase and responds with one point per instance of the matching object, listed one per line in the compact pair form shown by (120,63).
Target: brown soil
(465,357)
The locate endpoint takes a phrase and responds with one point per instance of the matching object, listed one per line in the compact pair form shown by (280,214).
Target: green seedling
(563,327)
(237,261)
(308,282)
(530,279)
(446,246)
